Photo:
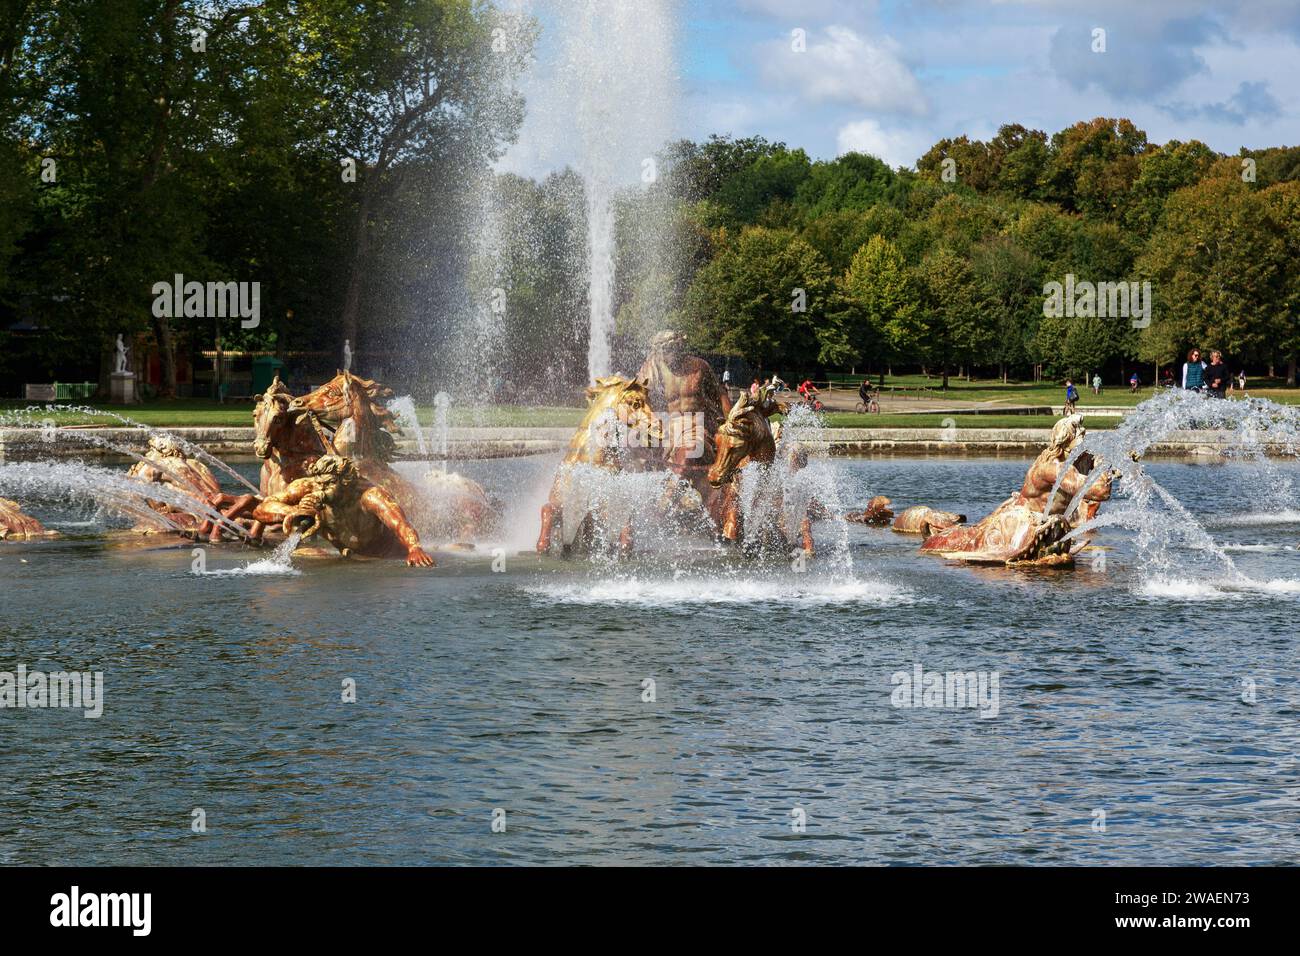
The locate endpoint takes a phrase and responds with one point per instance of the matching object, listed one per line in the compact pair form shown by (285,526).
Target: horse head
(272,412)
(352,408)
(745,436)
(628,401)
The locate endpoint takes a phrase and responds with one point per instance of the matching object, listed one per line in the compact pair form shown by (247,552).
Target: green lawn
(204,412)
(1040,393)
(856,420)
(194,412)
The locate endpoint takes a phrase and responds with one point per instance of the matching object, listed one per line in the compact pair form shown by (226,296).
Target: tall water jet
(600,100)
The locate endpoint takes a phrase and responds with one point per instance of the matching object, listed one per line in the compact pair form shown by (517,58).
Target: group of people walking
(1211,377)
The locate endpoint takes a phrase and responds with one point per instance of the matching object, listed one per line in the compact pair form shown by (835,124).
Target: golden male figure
(166,463)
(683,387)
(354,515)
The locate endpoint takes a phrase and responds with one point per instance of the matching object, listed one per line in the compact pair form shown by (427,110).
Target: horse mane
(347,396)
(605,394)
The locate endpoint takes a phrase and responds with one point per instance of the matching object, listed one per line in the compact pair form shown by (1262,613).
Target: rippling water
(522,691)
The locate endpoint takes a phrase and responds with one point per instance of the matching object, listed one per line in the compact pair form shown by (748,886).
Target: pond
(512,709)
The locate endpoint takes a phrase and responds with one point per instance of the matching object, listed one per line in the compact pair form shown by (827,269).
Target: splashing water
(680,562)
(46,431)
(1177,555)
(404,410)
(278,562)
(112,491)
(601,101)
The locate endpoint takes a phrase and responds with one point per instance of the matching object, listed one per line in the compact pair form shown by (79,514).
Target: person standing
(1216,376)
(1241,379)
(1071,397)
(726,379)
(1134,382)
(1096,384)
(1193,371)
(753,387)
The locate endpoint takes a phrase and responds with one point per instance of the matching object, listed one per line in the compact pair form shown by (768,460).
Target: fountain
(600,97)
(1173,545)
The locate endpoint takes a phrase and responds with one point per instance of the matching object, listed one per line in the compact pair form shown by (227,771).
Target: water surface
(522,691)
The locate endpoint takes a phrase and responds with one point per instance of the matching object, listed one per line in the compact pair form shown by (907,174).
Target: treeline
(799,265)
(325,149)
(339,154)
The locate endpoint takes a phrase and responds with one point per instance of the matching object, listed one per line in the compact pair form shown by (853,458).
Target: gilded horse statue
(352,409)
(347,416)
(746,446)
(288,437)
(1029,527)
(614,405)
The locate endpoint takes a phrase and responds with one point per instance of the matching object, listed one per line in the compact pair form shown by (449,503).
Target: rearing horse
(745,442)
(288,438)
(612,402)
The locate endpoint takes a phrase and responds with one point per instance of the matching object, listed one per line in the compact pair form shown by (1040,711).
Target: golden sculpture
(746,444)
(615,405)
(1027,528)
(14,525)
(350,512)
(683,387)
(923,520)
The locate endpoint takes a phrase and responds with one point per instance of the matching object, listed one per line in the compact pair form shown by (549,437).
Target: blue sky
(891,78)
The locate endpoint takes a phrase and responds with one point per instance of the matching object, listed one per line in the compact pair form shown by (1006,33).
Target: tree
(839,235)
(1218,264)
(853,181)
(955,312)
(1011,278)
(1094,164)
(772,177)
(1025,158)
(403,81)
(1163,171)
(883,302)
(973,164)
(767,296)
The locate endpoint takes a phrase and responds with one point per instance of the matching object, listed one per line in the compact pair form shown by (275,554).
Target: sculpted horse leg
(550,513)
(237,507)
(730,520)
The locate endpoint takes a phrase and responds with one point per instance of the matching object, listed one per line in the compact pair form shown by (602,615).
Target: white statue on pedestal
(120,360)
(347,355)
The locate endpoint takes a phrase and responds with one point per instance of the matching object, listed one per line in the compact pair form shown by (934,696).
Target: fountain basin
(772,690)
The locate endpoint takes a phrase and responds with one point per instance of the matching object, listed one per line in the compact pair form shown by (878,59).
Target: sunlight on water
(747,589)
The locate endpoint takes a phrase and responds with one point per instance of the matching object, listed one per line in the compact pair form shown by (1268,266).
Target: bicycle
(870,406)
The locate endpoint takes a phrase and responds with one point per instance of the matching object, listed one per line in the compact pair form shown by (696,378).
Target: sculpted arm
(275,508)
(385,507)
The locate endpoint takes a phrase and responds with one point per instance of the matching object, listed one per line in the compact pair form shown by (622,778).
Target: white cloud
(845,67)
(895,147)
